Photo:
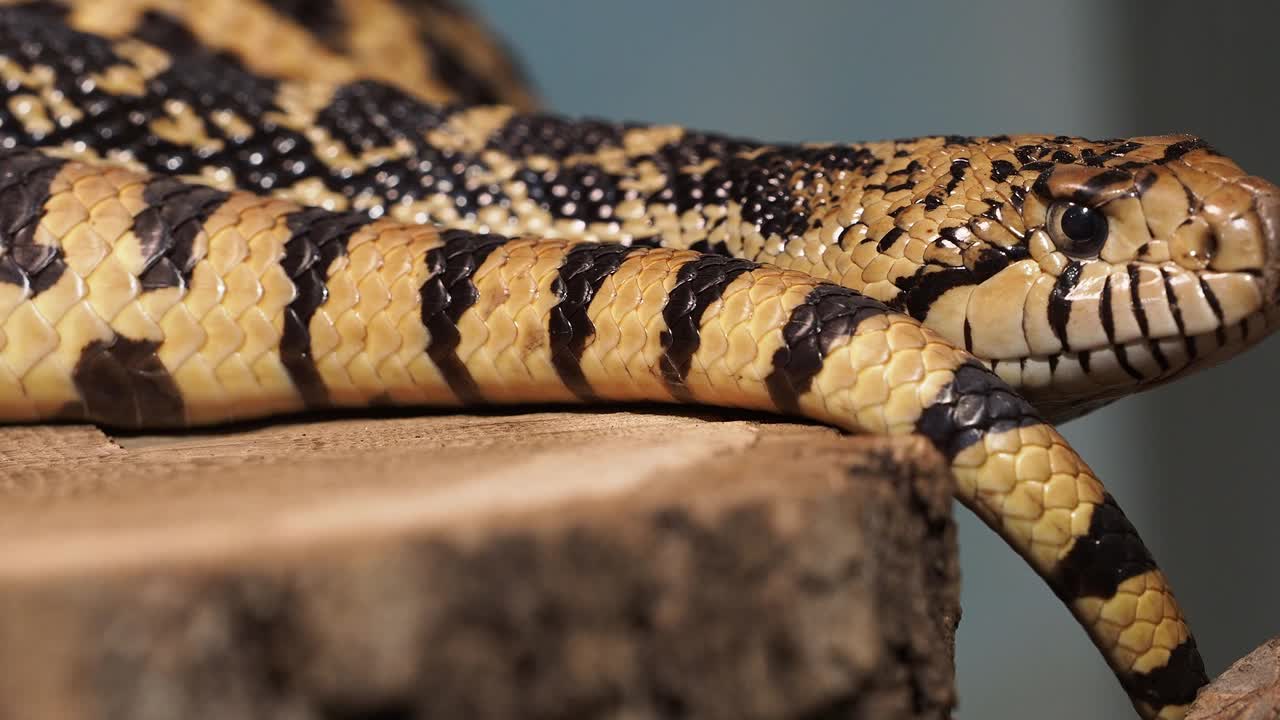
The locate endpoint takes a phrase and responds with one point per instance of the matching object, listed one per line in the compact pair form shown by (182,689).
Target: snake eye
(1077,230)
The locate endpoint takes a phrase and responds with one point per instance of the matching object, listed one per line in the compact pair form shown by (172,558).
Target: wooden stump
(1248,690)
(540,565)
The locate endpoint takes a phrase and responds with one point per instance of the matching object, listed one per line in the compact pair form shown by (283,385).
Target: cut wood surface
(538,564)
(1248,690)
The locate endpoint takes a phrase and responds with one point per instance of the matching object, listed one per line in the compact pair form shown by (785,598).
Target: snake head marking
(1084,270)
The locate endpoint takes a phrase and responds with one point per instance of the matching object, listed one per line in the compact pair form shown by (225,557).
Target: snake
(216,211)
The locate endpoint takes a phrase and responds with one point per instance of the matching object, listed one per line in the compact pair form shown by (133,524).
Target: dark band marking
(973,404)
(1214,305)
(1140,314)
(1110,553)
(1060,302)
(317,239)
(122,383)
(1188,342)
(167,228)
(1143,182)
(699,283)
(446,295)
(1107,315)
(828,313)
(889,239)
(585,269)
(25,179)
(1174,683)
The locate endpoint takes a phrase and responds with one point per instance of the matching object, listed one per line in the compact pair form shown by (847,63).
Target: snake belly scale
(198,225)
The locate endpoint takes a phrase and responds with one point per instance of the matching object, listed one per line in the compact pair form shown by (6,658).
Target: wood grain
(1248,690)
(539,564)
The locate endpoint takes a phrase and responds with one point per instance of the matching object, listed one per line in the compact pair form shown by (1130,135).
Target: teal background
(1191,462)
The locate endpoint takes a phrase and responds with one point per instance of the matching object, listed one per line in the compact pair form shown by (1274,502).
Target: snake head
(1133,261)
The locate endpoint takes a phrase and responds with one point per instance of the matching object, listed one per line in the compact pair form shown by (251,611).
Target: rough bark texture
(1248,690)
(542,565)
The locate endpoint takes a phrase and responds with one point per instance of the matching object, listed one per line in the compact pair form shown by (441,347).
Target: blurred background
(1192,463)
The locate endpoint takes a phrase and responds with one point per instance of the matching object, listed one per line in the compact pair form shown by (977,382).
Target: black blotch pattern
(48,9)
(316,239)
(1001,170)
(1027,153)
(958,169)
(585,269)
(202,79)
(762,185)
(698,283)
(25,179)
(918,292)
(1017,196)
(542,134)
(365,115)
(165,32)
(973,404)
(168,33)
(446,295)
(122,383)
(1178,149)
(1087,193)
(829,313)
(324,19)
(470,87)
(167,228)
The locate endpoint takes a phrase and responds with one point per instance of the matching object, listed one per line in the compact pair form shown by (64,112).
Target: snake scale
(212,211)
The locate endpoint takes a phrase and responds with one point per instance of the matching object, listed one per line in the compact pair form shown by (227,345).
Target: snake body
(202,220)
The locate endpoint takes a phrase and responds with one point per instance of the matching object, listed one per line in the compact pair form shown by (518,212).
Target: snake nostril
(1266,200)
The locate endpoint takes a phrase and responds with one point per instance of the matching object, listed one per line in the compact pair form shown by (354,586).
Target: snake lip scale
(225,210)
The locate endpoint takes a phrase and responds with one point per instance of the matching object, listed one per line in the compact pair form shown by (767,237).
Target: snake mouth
(1068,384)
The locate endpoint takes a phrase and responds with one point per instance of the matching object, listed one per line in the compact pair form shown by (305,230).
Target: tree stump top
(490,565)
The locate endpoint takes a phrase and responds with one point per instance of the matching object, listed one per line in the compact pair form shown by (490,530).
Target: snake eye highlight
(1077,230)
